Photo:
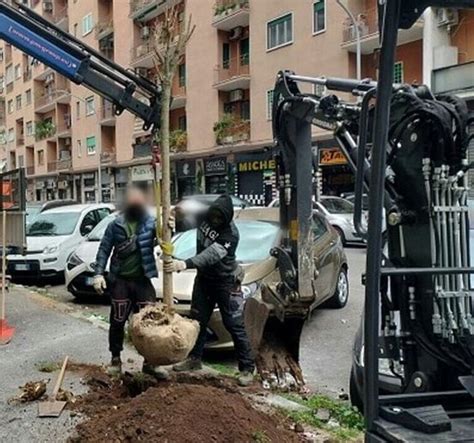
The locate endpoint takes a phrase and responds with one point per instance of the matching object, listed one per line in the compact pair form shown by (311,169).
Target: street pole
(358,38)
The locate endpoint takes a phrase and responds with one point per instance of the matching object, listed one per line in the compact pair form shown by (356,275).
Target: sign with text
(186,168)
(215,166)
(142,173)
(331,157)
(256,165)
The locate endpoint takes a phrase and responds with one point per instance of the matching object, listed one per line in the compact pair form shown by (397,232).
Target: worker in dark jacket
(217,282)
(130,239)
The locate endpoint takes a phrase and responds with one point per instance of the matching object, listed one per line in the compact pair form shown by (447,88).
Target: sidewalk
(45,332)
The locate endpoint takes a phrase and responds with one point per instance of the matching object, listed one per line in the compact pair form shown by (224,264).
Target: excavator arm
(83,65)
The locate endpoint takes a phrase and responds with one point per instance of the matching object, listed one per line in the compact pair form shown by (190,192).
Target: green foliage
(351,422)
(225,7)
(260,437)
(44,129)
(47,366)
(178,140)
(231,128)
(224,369)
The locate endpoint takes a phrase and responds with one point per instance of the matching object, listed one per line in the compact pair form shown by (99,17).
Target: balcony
(142,56)
(44,130)
(64,128)
(233,74)
(455,79)
(229,14)
(28,74)
(64,165)
(30,170)
(179,97)
(141,150)
(52,166)
(231,129)
(368,24)
(61,19)
(47,102)
(107,115)
(108,157)
(104,29)
(144,10)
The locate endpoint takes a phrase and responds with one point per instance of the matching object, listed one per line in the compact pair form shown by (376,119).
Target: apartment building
(72,145)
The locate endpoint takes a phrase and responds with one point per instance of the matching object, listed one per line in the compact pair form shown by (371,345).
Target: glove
(100,285)
(172,223)
(174,266)
(167,248)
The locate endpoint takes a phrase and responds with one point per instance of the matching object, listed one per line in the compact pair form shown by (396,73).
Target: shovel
(53,407)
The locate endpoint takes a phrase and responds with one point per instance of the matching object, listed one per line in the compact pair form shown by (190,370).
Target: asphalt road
(327,338)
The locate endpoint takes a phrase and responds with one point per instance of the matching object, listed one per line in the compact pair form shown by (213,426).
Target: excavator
(408,151)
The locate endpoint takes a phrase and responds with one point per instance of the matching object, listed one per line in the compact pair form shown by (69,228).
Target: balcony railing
(51,97)
(52,166)
(231,129)
(65,164)
(233,69)
(141,150)
(227,7)
(367,22)
(229,14)
(139,5)
(30,170)
(107,111)
(141,51)
(103,29)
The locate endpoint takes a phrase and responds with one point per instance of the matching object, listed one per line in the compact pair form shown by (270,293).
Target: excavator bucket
(275,344)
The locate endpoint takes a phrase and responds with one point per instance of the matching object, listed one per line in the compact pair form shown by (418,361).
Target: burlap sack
(162,338)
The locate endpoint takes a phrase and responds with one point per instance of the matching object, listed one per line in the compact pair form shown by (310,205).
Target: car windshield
(31,213)
(52,224)
(98,232)
(338,205)
(256,240)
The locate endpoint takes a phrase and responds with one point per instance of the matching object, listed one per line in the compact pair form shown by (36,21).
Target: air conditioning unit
(236,33)
(236,95)
(145,32)
(48,6)
(64,155)
(447,17)
(142,72)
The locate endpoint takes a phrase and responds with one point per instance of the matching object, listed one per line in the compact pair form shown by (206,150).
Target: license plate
(22,267)
(89,281)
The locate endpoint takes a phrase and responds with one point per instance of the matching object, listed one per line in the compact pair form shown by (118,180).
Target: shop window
(398,74)
(226,55)
(280,32)
(319,16)
(244,51)
(90,145)
(87,24)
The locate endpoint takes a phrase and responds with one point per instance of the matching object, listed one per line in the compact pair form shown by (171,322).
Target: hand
(172,223)
(167,248)
(100,285)
(174,266)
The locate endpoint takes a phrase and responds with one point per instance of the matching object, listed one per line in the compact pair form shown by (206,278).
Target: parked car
(188,209)
(340,214)
(35,208)
(52,236)
(80,264)
(259,232)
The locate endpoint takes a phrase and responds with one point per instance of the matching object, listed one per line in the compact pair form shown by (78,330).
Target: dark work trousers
(126,296)
(229,299)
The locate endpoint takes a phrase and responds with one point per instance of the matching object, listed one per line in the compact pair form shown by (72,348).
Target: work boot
(155,371)
(115,367)
(188,365)
(245,378)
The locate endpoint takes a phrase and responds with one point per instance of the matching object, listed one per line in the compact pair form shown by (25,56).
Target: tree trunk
(166,188)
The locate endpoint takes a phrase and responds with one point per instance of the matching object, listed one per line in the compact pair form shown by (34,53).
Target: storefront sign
(142,173)
(215,166)
(331,157)
(256,165)
(186,168)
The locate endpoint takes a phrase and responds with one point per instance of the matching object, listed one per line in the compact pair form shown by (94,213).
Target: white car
(340,215)
(52,237)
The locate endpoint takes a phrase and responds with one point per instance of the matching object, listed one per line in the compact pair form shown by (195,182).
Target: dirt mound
(175,412)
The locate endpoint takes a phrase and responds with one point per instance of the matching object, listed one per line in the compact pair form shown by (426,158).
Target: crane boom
(23,28)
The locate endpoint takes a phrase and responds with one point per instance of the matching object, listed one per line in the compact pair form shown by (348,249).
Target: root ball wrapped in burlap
(163,338)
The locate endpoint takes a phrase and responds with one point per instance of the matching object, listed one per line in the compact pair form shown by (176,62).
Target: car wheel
(341,294)
(354,393)
(341,234)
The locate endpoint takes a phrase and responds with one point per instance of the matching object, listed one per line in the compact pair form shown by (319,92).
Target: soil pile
(175,412)
(163,338)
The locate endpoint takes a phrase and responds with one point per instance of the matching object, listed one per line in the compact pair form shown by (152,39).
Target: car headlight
(249,290)
(73,261)
(50,249)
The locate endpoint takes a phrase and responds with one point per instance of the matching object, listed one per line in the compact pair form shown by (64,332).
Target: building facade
(73,146)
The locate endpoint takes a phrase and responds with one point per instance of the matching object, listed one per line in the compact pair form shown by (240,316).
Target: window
(318,226)
(9,75)
(280,32)
(28,97)
(10,106)
(90,106)
(41,157)
(182,75)
(21,161)
(269,104)
(79,148)
(78,110)
(225,55)
(87,24)
(245,110)
(17,72)
(29,128)
(244,51)
(11,135)
(319,16)
(18,102)
(1,55)
(182,123)
(398,76)
(90,144)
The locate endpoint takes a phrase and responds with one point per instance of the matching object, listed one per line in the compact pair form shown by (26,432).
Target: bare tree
(169,39)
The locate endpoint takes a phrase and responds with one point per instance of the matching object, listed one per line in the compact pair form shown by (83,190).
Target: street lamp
(98,143)
(355,24)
